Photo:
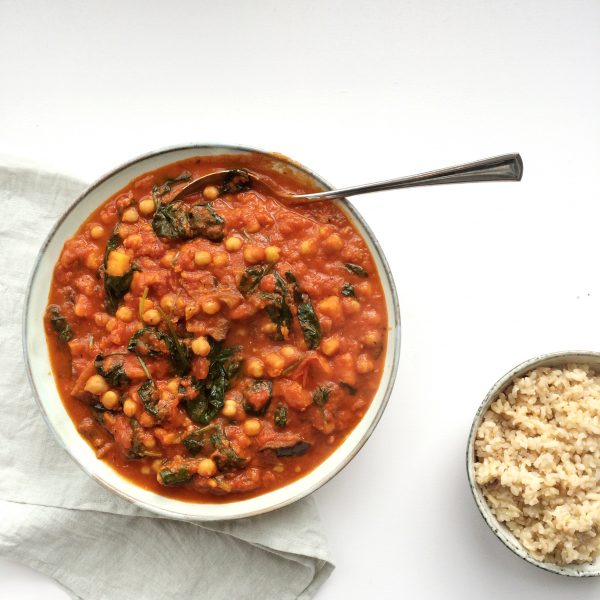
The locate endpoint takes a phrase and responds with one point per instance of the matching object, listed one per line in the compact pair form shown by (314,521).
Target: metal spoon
(508,167)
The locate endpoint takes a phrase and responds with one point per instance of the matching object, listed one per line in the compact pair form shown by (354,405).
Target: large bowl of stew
(217,356)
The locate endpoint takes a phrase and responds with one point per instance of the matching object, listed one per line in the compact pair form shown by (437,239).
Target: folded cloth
(59,521)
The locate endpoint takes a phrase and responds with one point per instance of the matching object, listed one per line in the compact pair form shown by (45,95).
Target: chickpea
(308,247)
(146,420)
(364,364)
(148,441)
(130,215)
(124,313)
(364,289)
(210,192)
(252,226)
(173,386)
(229,409)
(272,254)
(252,427)
(211,307)
(96,385)
(207,467)
(289,352)
(371,338)
(111,324)
(334,242)
(133,241)
(93,261)
(269,328)
(351,306)
(275,364)
(220,259)
(255,367)
(147,304)
(253,254)
(330,346)
(157,465)
(167,302)
(233,243)
(81,306)
(129,407)
(101,318)
(372,317)
(324,231)
(168,259)
(200,346)
(97,231)
(202,258)
(147,205)
(331,307)
(151,317)
(110,400)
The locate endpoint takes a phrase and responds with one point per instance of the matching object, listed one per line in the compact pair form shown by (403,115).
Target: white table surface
(488,274)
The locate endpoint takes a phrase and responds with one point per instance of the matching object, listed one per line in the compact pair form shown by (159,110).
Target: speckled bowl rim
(313,480)
(553,359)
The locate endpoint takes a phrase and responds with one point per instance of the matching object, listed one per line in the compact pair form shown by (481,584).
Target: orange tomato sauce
(215,354)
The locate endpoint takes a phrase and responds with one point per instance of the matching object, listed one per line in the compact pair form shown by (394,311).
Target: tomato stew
(220,346)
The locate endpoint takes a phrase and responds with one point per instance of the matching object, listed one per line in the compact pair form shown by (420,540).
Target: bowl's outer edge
(501,531)
(344,204)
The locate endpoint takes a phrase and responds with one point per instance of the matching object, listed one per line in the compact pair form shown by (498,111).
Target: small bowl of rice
(533,462)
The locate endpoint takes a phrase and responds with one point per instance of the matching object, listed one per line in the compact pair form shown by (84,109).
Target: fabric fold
(62,523)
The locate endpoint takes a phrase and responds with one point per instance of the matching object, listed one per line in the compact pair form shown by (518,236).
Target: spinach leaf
(114,374)
(348,290)
(356,269)
(179,353)
(210,392)
(225,456)
(296,450)
(150,341)
(194,442)
(280,415)
(252,276)
(165,188)
(59,323)
(137,449)
(279,311)
(172,477)
(149,396)
(238,180)
(115,286)
(169,222)
(309,322)
(349,388)
(257,396)
(321,395)
(180,221)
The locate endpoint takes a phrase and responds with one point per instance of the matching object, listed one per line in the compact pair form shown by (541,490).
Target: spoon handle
(508,167)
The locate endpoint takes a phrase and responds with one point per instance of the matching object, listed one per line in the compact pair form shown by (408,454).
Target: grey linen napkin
(100,547)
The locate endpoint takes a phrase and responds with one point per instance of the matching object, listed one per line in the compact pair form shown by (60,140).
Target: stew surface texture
(219,346)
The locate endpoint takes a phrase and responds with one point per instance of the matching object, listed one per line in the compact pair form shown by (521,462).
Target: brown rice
(537,456)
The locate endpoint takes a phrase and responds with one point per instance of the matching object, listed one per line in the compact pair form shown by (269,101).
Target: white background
(488,275)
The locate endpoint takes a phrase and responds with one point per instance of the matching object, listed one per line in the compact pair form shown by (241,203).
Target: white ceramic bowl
(556,359)
(42,381)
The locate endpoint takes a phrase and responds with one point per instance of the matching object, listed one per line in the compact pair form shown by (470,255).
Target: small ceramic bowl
(44,388)
(556,359)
